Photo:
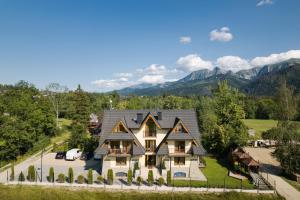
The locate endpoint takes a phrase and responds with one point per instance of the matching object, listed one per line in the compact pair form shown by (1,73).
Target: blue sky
(105,45)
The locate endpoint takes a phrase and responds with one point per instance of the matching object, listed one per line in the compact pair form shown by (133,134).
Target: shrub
(139,180)
(61,178)
(100,179)
(110,176)
(129,177)
(51,175)
(12,172)
(21,177)
(161,181)
(169,180)
(70,175)
(135,167)
(31,173)
(150,177)
(90,176)
(80,179)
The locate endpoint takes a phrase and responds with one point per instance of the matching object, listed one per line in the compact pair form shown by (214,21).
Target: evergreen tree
(90,176)
(70,175)
(81,106)
(129,177)
(51,175)
(12,172)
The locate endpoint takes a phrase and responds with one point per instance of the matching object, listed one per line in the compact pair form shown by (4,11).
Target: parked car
(73,154)
(60,155)
(86,156)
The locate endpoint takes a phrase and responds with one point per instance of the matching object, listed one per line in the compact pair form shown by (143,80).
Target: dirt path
(271,170)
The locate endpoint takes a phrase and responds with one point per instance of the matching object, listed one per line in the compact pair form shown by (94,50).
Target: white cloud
(275,58)
(111,84)
(152,79)
(264,2)
(222,35)
(193,62)
(185,40)
(232,63)
(123,75)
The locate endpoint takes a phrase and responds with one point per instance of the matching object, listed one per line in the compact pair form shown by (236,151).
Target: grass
(260,125)
(40,193)
(216,174)
(293,183)
(65,133)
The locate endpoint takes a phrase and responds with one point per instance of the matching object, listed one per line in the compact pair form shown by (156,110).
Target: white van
(73,154)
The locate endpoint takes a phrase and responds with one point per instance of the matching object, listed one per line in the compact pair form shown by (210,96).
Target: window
(120,128)
(179,160)
(180,129)
(120,161)
(150,129)
(150,145)
(179,146)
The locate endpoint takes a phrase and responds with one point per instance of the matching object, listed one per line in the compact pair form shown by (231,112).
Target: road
(271,171)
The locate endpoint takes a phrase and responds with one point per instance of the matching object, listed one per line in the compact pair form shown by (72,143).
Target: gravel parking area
(59,165)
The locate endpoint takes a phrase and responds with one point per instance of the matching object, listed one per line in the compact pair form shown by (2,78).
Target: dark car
(60,155)
(86,156)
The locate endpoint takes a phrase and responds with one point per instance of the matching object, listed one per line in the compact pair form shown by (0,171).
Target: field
(260,125)
(216,175)
(40,193)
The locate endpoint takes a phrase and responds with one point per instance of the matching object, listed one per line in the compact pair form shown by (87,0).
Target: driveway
(271,171)
(59,165)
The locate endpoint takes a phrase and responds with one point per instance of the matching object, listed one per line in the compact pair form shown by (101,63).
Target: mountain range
(256,81)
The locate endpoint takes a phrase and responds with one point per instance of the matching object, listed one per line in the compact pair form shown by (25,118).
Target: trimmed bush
(90,176)
(150,177)
(70,175)
(100,179)
(21,177)
(161,181)
(169,180)
(12,172)
(129,177)
(139,180)
(31,173)
(80,179)
(135,167)
(110,176)
(51,175)
(61,178)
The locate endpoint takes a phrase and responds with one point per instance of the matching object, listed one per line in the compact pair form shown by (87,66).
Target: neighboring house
(159,140)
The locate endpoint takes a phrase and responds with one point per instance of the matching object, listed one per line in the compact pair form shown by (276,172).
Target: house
(159,140)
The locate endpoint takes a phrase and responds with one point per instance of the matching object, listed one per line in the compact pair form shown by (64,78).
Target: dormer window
(120,128)
(180,128)
(150,129)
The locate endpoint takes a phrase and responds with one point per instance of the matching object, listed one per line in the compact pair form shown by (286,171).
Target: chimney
(159,115)
(139,118)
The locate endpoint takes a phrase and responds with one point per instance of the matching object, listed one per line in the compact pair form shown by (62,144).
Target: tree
(139,180)
(169,180)
(100,179)
(12,172)
(70,175)
(81,102)
(21,177)
(78,135)
(110,177)
(61,178)
(224,127)
(161,181)
(31,173)
(51,177)
(129,177)
(150,177)
(80,179)
(90,176)
(54,92)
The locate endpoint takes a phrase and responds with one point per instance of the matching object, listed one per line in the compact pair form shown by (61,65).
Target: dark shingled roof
(101,150)
(137,150)
(179,136)
(199,151)
(163,150)
(120,136)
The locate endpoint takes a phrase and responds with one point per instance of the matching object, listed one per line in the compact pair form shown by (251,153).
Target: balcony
(150,149)
(150,134)
(120,151)
(179,150)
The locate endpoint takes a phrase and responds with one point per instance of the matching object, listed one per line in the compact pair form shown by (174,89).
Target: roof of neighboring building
(101,150)
(137,150)
(120,136)
(163,150)
(179,136)
(199,151)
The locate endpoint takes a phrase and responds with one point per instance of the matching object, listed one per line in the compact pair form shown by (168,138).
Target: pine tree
(90,176)
(70,175)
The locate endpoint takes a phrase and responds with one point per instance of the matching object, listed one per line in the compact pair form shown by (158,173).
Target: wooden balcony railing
(179,150)
(150,134)
(150,149)
(120,151)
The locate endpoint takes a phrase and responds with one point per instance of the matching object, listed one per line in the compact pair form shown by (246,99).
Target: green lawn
(38,193)
(64,134)
(260,125)
(216,174)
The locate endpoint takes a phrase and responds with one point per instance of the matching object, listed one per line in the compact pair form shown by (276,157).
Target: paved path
(271,170)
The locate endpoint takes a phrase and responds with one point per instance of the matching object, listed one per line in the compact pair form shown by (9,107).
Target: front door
(150,161)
